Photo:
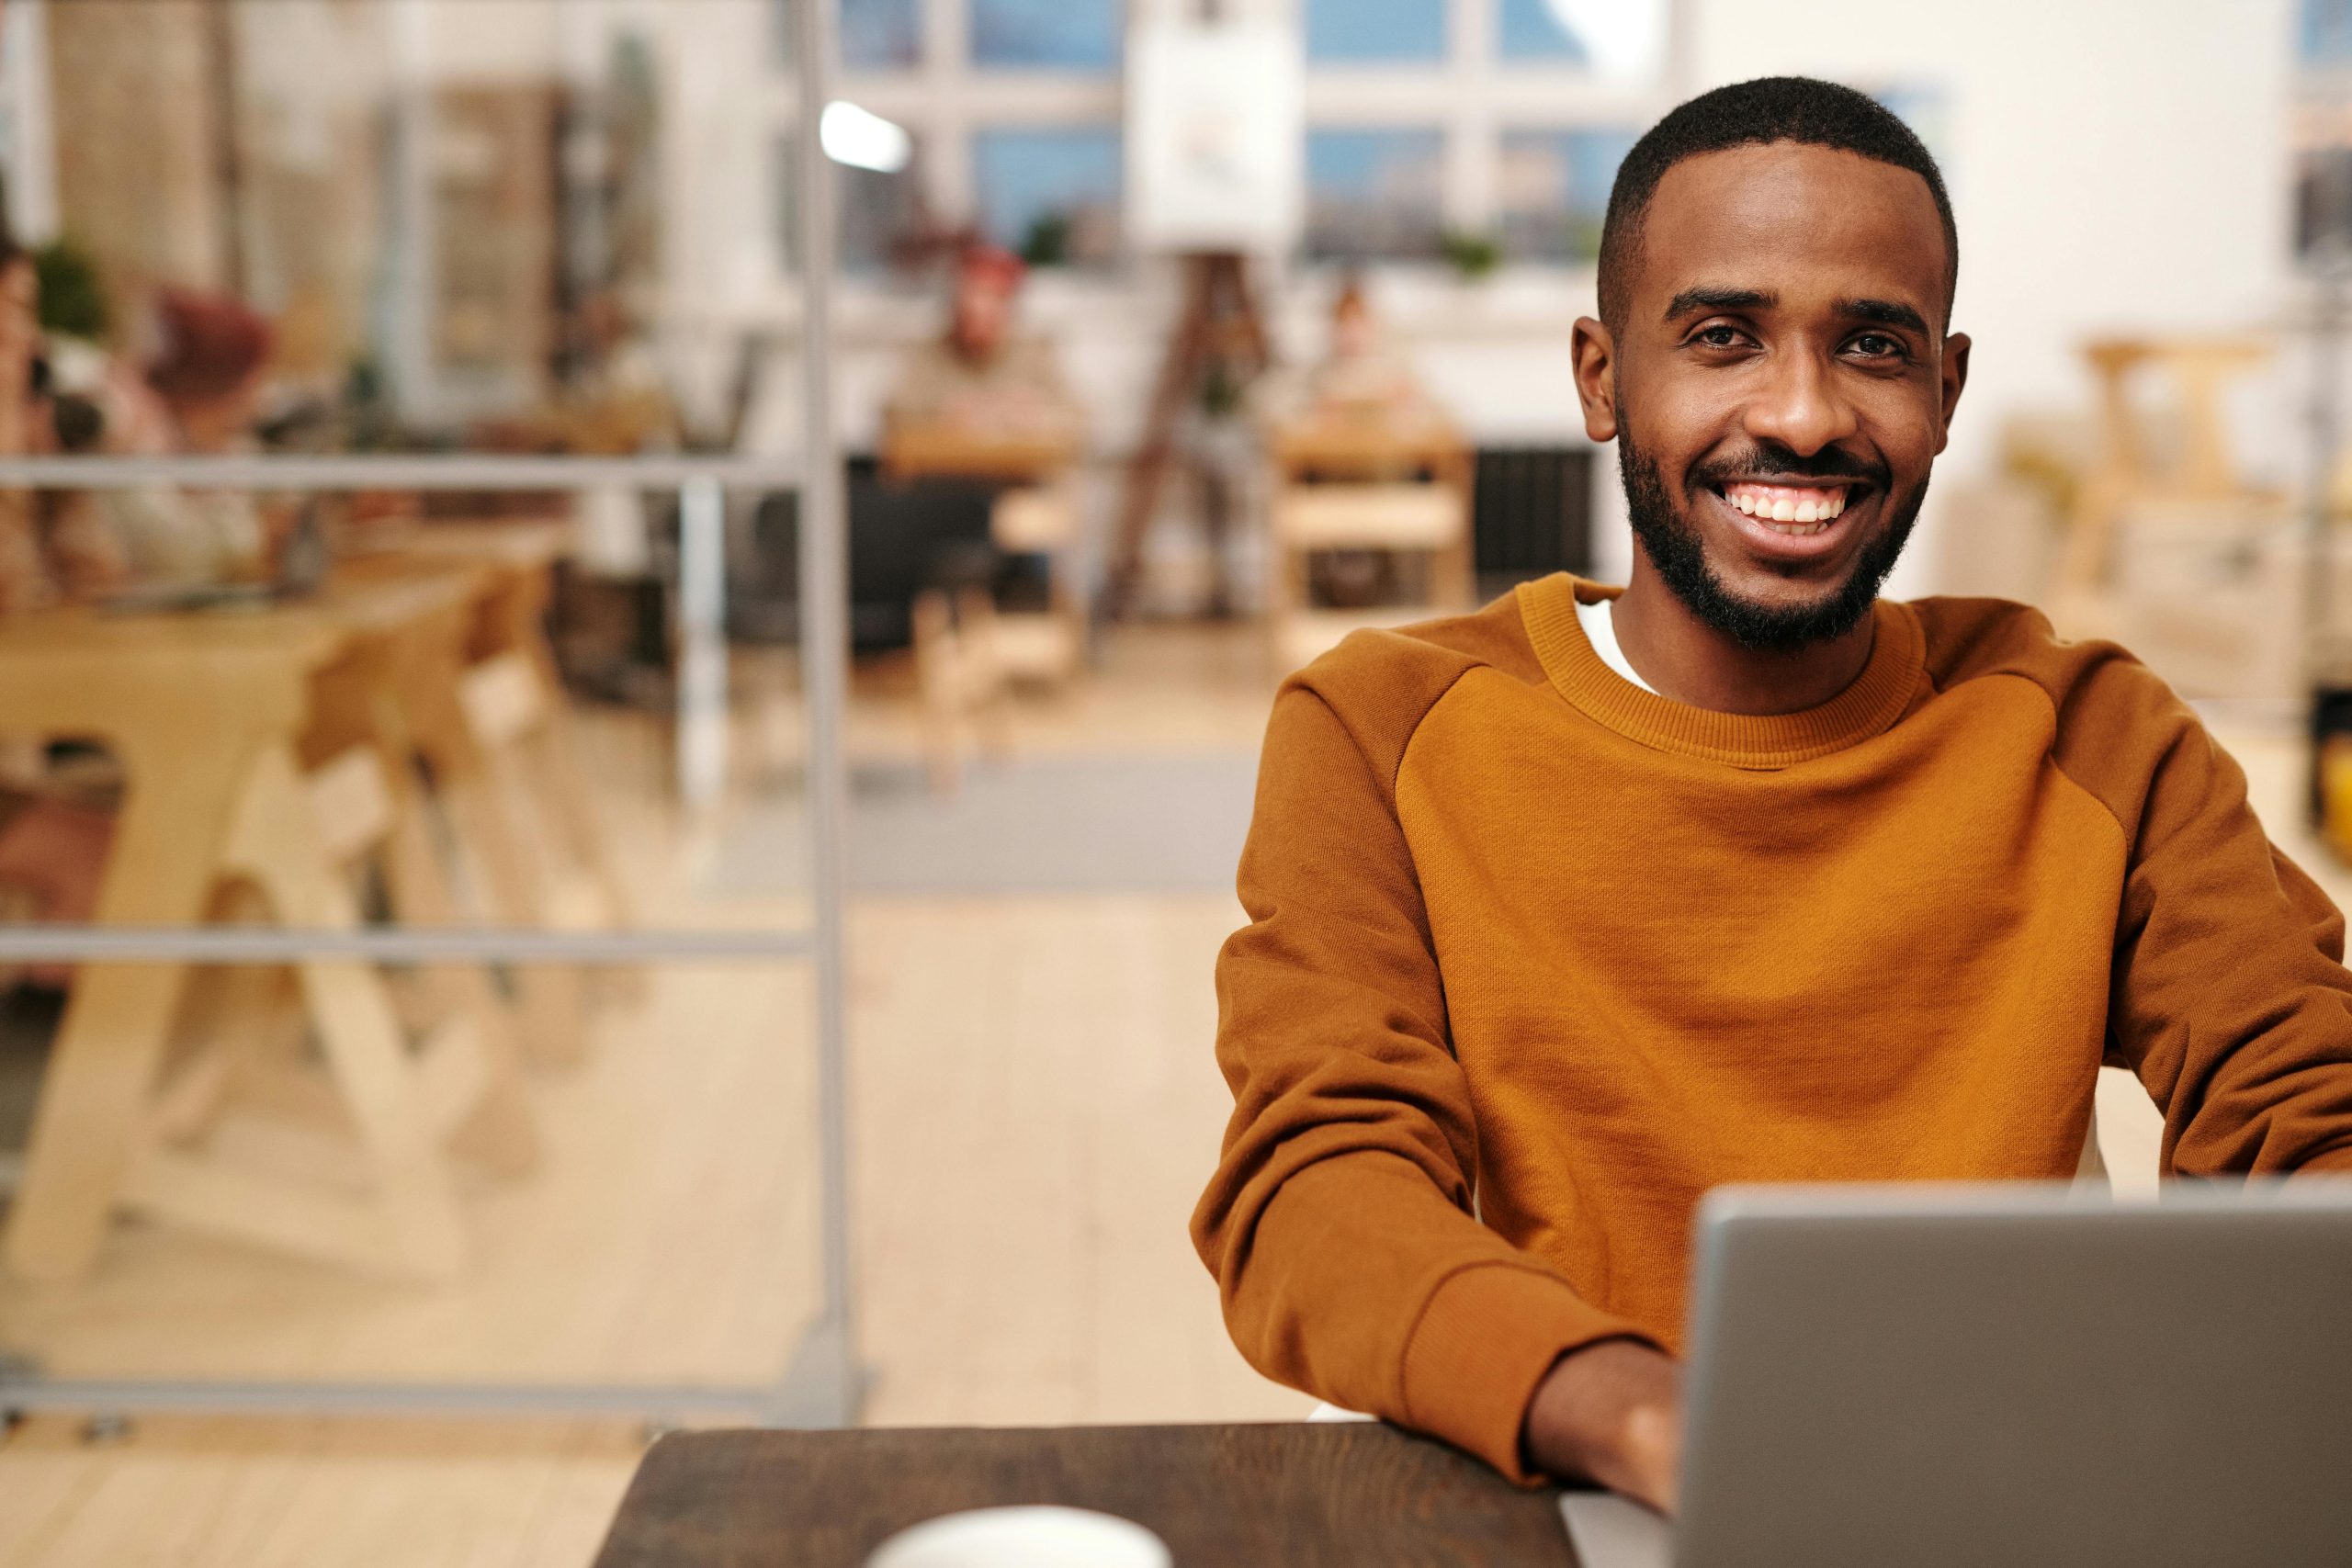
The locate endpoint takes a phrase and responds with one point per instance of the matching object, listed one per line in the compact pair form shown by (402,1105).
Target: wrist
(1609,1413)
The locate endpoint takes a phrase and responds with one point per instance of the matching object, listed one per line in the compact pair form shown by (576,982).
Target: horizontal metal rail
(425,472)
(292,945)
(293,1398)
(820,1386)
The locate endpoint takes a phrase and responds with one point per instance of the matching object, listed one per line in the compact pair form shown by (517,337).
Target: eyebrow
(1884,312)
(1703,298)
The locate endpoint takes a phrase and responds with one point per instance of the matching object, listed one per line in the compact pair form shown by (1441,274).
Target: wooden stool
(961,674)
(969,652)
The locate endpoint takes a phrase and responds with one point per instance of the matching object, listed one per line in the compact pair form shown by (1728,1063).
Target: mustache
(1768,461)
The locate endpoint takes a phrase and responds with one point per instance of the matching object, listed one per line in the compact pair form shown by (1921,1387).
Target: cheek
(1675,425)
(1905,424)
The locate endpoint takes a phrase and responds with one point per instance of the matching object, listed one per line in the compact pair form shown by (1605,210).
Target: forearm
(2243,1037)
(1359,1281)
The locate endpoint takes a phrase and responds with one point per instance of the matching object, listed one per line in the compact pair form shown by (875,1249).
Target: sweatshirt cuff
(1484,1342)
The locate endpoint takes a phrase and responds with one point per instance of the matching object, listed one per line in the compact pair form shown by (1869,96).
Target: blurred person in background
(981,378)
(49,549)
(1566,911)
(1361,377)
(199,395)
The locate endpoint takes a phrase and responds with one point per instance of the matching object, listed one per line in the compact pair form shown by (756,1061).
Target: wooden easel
(1220,325)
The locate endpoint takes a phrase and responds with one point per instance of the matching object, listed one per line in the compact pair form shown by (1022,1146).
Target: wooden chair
(2139,473)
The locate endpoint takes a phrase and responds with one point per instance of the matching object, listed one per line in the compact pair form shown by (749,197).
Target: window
(2323,31)
(880,213)
(881,35)
(1051,194)
(1376,31)
(1375,194)
(876,213)
(1537,29)
(1554,191)
(1046,35)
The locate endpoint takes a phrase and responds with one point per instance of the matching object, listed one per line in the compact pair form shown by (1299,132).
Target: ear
(1595,360)
(1954,380)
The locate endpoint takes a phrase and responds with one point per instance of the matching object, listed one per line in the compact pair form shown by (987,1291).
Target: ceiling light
(863,139)
(1620,37)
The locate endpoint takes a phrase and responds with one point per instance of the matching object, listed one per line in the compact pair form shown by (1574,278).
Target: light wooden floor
(1034,1111)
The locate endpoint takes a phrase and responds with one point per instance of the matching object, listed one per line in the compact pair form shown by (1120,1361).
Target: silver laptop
(2006,1377)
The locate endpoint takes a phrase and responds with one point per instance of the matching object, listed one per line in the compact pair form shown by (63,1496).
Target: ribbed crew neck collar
(1868,707)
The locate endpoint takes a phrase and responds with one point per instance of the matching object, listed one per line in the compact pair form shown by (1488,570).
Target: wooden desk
(1289,1496)
(1363,445)
(207,713)
(916,451)
(1037,516)
(1352,480)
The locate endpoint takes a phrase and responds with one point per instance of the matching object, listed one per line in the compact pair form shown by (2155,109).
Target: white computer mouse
(1022,1538)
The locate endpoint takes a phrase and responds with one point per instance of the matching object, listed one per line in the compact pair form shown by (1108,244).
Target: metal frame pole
(702,645)
(824,662)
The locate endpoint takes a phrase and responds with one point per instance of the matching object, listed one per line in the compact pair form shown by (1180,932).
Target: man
(981,378)
(1567,910)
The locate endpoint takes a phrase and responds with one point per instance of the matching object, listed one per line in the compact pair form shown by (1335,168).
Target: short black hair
(1769,108)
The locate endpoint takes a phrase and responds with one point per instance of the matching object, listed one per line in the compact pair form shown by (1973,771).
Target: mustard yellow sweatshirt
(1536,957)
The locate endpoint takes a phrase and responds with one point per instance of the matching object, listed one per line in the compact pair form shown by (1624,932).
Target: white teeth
(1809,516)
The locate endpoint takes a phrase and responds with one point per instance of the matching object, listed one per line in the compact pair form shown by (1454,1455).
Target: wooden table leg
(550,1006)
(174,821)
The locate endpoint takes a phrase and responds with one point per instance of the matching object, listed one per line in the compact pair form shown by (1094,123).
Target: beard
(1676,548)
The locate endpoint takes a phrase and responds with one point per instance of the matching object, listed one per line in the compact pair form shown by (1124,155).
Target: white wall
(2114,163)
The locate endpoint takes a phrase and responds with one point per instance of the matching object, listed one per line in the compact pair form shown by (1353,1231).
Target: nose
(1798,404)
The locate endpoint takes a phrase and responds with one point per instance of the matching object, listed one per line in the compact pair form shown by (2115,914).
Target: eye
(1878,345)
(1718,334)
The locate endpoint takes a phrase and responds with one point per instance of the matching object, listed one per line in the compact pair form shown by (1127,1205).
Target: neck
(1691,662)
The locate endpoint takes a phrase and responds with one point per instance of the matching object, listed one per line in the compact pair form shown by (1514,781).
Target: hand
(1610,1413)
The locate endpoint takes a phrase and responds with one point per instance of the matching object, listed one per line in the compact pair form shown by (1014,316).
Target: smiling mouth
(1797,511)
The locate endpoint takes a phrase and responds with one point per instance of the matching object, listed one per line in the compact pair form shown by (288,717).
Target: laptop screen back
(1961,1378)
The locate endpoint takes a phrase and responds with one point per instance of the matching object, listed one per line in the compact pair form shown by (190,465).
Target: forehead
(1796,221)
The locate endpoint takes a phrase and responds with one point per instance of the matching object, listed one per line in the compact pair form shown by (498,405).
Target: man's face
(983,312)
(1781,384)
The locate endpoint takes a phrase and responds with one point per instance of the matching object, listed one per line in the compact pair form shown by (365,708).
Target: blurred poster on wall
(1214,120)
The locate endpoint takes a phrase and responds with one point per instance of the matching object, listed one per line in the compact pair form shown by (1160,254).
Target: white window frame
(1471,97)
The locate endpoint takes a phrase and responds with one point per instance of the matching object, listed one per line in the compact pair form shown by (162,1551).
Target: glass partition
(421,671)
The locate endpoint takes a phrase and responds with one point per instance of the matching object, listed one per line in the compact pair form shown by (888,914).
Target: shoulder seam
(1421,718)
(2052,752)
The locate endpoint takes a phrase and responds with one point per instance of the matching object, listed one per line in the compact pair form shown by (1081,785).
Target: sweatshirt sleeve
(1338,1224)
(2228,997)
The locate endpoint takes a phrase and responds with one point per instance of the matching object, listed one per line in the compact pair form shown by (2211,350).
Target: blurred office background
(1159,358)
